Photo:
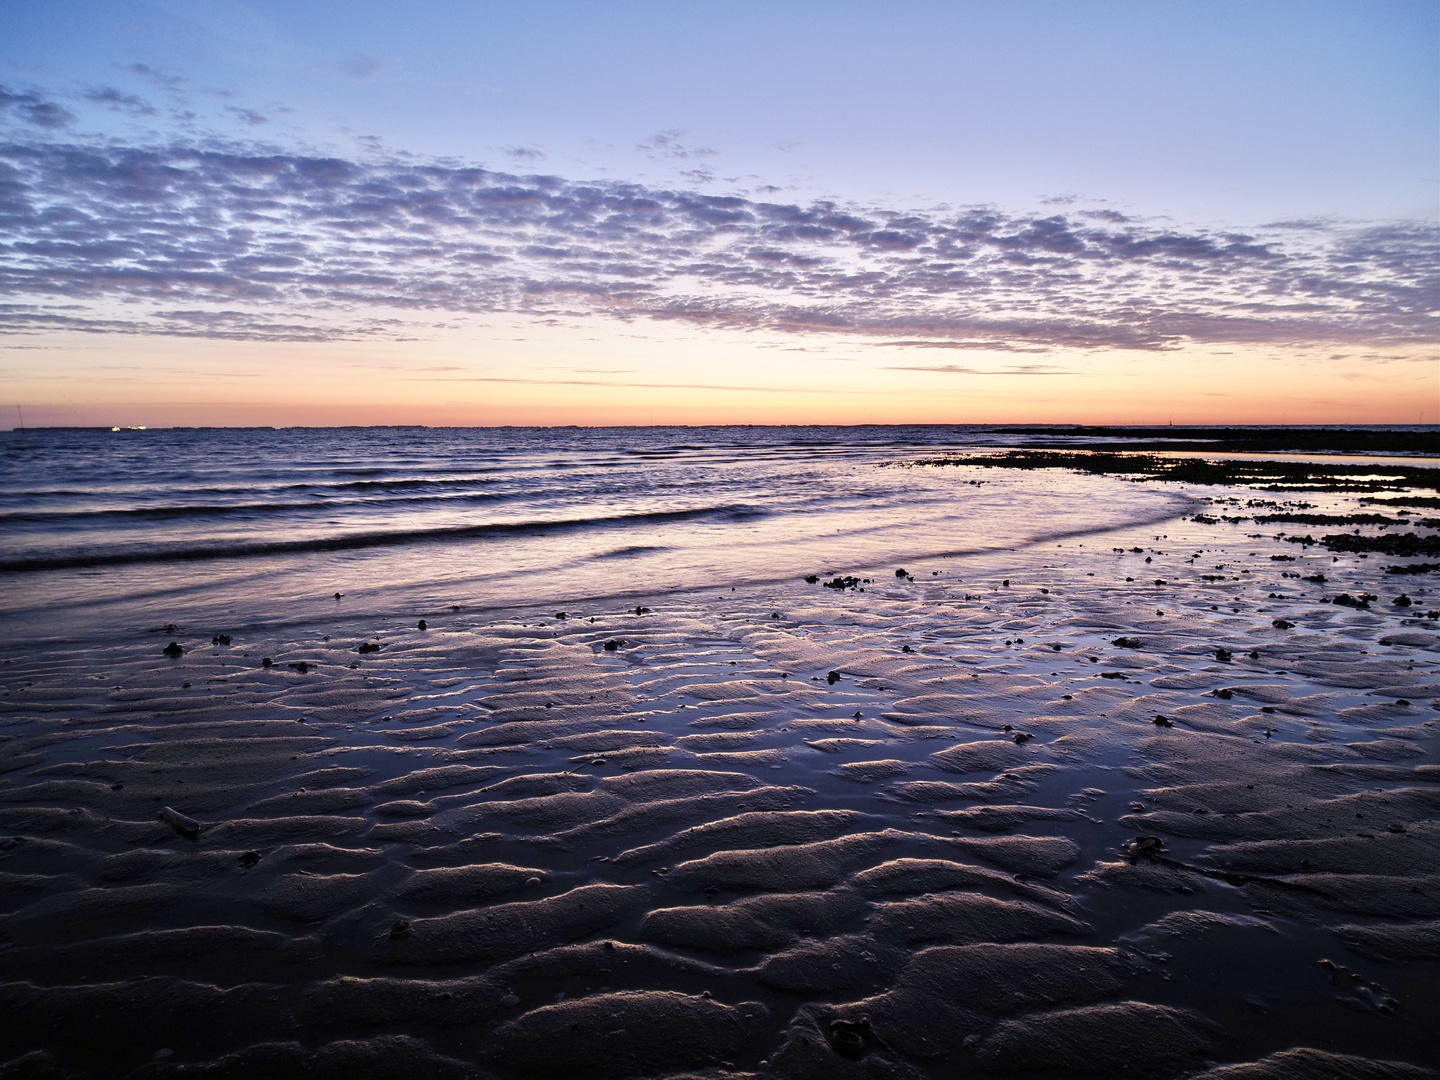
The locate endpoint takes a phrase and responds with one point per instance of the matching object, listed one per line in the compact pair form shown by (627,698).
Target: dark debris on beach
(1269,475)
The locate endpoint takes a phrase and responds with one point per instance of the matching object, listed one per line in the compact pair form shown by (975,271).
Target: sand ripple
(883,834)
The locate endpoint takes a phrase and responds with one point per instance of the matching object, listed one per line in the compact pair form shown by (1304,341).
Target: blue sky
(1046,187)
(1242,112)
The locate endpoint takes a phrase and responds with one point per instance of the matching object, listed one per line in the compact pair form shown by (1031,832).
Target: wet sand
(1141,804)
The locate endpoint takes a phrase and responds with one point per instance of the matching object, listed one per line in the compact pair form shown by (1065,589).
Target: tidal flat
(1139,801)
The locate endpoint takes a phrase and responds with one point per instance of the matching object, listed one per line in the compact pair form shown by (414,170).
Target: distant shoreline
(1417,439)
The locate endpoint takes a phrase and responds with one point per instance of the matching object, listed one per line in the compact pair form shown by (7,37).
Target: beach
(785,759)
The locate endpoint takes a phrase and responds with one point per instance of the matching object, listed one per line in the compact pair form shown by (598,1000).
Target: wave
(631,551)
(356,541)
(400,483)
(82,518)
(17,496)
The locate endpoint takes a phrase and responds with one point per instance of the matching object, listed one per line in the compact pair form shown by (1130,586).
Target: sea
(103,531)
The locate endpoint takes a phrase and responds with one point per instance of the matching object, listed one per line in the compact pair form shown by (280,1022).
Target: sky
(1086,211)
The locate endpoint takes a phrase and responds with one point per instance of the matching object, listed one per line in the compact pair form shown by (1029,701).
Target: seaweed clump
(1400,545)
(1267,475)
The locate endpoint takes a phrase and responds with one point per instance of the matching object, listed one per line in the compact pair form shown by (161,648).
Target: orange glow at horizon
(599,373)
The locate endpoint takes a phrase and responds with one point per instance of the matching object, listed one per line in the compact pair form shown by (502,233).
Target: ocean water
(101,531)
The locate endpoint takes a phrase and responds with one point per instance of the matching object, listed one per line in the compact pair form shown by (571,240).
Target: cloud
(362,68)
(1112,216)
(233,241)
(979,346)
(667,144)
(627,385)
(33,109)
(118,101)
(247,116)
(221,325)
(956,369)
(523,153)
(156,76)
